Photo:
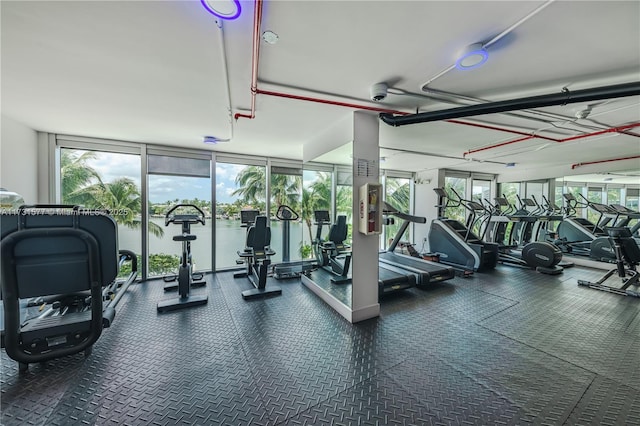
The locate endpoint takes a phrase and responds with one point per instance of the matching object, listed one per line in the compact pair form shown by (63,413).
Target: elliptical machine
(516,247)
(582,236)
(332,255)
(185,270)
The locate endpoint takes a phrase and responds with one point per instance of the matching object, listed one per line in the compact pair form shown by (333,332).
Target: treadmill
(424,272)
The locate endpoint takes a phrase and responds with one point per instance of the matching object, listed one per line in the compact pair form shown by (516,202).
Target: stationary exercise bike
(185,275)
(256,255)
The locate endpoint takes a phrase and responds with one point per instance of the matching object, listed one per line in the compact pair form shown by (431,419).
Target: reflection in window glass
(397,194)
(344,195)
(316,195)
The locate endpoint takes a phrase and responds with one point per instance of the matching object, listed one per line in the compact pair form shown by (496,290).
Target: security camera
(379,92)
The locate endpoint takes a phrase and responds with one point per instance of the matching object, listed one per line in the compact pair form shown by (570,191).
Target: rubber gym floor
(511,347)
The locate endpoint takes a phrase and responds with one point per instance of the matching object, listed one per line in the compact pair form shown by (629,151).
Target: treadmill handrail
(389,209)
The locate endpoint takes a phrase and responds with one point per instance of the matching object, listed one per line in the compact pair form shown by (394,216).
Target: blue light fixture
(212,140)
(223,9)
(472,56)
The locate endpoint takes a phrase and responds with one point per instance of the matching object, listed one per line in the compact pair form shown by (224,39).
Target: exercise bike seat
(337,235)
(629,248)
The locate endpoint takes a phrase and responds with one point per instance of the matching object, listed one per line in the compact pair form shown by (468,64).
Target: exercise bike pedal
(174,285)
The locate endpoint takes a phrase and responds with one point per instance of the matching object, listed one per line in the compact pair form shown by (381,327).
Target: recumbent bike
(256,255)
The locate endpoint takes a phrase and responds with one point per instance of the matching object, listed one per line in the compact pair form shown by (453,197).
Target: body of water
(230,237)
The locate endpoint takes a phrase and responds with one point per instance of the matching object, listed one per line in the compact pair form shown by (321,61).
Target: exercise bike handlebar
(286,213)
(169,217)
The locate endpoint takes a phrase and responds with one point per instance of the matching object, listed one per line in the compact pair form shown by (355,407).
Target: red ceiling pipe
(601,132)
(619,129)
(573,166)
(257,19)
(526,138)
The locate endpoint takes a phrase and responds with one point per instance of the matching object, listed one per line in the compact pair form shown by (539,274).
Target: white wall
(19,159)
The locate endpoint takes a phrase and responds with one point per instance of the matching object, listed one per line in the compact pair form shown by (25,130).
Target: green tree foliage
(316,197)
(159,264)
(397,195)
(76,174)
(82,185)
(122,198)
(458,184)
(251,182)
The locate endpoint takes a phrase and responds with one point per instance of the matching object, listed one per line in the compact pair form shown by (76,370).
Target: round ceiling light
(223,9)
(472,56)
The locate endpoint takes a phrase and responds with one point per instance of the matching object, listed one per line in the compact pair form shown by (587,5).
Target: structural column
(364,262)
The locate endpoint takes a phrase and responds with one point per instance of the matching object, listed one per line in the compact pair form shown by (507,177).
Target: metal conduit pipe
(329,102)
(546,117)
(563,98)
(573,166)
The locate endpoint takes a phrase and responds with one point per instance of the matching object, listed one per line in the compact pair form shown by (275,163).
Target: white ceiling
(156,72)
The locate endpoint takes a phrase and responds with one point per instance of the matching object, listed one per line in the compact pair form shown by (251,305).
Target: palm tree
(122,198)
(285,190)
(398,193)
(251,182)
(316,197)
(76,174)
(398,196)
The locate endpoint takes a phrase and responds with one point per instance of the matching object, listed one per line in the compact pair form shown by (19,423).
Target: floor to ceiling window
(510,191)
(594,195)
(286,190)
(178,180)
(105,180)
(238,187)
(534,191)
(455,185)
